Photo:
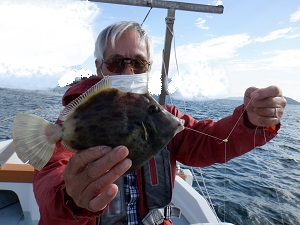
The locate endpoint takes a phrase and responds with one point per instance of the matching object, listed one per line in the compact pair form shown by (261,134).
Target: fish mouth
(182,121)
(180,125)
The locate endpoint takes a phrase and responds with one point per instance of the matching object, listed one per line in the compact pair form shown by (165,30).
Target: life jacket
(157,184)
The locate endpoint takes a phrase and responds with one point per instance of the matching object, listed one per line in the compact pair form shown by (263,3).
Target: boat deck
(11,212)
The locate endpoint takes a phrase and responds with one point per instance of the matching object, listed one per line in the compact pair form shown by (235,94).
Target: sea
(261,187)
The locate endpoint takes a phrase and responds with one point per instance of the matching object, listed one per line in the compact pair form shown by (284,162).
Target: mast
(172,6)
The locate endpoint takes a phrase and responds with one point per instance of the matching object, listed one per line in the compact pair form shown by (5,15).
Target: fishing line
(275,188)
(206,191)
(211,136)
(166,83)
(238,120)
(225,172)
(217,138)
(146,16)
(174,47)
(208,198)
(176,61)
(177,68)
(255,156)
(225,159)
(197,131)
(270,172)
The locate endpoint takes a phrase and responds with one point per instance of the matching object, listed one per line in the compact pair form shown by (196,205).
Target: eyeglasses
(117,64)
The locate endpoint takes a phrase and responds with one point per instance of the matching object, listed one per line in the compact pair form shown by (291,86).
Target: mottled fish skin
(113,117)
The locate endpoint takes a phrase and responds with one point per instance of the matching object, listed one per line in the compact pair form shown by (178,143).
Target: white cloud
(195,81)
(201,73)
(200,23)
(276,34)
(274,60)
(263,73)
(157,40)
(199,81)
(206,69)
(284,58)
(44,38)
(218,2)
(295,16)
(279,67)
(214,49)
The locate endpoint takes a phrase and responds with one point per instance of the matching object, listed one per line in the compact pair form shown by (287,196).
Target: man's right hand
(89,176)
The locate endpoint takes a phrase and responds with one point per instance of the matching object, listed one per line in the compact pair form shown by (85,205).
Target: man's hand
(266,106)
(89,176)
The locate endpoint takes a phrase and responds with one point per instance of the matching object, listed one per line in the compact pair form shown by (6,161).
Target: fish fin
(30,139)
(100,86)
(145,133)
(67,147)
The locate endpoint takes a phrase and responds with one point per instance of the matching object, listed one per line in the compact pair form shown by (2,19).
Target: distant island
(291,101)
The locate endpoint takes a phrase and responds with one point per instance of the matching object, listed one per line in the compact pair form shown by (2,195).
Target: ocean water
(261,187)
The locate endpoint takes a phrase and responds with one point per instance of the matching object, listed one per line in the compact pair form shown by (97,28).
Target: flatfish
(101,116)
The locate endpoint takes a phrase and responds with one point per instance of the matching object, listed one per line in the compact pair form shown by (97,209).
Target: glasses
(118,64)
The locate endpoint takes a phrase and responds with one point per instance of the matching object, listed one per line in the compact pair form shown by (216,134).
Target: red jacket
(188,147)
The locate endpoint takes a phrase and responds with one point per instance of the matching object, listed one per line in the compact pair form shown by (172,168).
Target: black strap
(115,214)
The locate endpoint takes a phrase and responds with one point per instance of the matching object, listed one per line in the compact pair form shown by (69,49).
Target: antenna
(171,6)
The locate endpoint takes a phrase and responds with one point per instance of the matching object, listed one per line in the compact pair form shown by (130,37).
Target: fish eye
(153,109)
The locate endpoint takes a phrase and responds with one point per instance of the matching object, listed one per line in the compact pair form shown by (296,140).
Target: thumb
(250,93)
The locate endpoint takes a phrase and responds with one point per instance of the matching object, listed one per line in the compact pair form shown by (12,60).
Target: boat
(17,201)
(18,205)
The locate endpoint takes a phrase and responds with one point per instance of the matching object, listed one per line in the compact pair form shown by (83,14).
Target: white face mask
(135,83)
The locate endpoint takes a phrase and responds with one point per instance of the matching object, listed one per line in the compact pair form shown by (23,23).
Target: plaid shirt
(131,198)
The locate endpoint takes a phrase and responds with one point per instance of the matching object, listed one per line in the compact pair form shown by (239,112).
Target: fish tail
(34,139)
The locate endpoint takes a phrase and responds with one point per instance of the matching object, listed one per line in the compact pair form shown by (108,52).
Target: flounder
(101,116)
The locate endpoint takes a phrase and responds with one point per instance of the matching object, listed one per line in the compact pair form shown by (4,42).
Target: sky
(45,43)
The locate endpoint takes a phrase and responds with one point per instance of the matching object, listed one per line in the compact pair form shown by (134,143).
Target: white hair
(114,31)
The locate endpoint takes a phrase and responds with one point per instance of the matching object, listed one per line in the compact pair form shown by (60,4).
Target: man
(79,188)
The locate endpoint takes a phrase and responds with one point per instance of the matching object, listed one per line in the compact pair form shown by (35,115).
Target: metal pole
(168,4)
(166,55)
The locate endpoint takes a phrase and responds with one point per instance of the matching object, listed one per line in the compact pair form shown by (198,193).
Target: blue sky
(253,43)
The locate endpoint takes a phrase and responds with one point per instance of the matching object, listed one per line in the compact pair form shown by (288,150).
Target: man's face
(130,46)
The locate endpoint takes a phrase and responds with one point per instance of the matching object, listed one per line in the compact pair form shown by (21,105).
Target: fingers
(263,121)
(81,159)
(265,106)
(105,163)
(268,98)
(262,93)
(270,112)
(101,201)
(249,91)
(103,188)
(90,173)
